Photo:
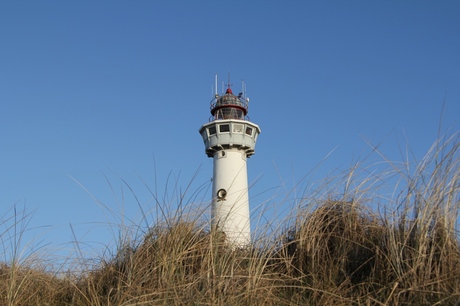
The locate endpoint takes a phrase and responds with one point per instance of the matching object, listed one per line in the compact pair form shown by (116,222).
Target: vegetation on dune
(345,249)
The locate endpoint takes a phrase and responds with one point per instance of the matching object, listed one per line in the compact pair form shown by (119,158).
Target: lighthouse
(230,138)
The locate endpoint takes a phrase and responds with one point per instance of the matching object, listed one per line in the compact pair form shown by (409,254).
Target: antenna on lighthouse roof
(229,84)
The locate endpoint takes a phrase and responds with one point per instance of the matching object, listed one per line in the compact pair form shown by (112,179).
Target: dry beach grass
(340,249)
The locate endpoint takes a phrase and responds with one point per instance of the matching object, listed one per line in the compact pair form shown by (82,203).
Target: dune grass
(342,246)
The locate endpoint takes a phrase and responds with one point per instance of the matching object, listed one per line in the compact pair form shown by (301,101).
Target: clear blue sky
(97,92)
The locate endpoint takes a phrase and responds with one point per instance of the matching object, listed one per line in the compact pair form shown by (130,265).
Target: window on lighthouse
(230,113)
(238,128)
(212,130)
(223,128)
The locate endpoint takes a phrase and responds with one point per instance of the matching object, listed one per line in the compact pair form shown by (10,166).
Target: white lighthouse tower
(230,139)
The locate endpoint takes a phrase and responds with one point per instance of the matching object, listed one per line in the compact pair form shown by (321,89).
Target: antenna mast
(229,84)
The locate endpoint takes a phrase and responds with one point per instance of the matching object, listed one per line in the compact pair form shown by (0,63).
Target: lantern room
(229,106)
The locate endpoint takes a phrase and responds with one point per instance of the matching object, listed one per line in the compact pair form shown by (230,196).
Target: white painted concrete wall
(231,213)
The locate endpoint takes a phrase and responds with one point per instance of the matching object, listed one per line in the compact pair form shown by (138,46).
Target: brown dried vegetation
(336,251)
